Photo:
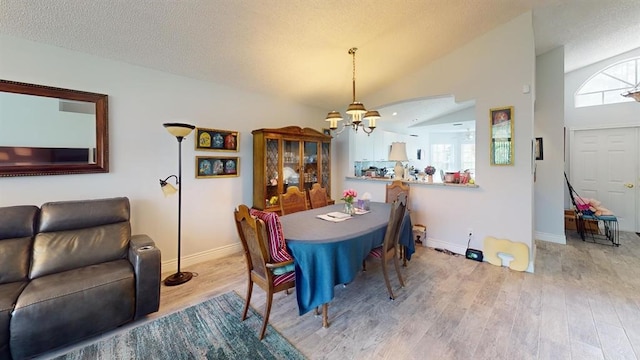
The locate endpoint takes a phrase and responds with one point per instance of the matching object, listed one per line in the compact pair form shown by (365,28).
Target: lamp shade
(168,189)
(398,152)
(179,129)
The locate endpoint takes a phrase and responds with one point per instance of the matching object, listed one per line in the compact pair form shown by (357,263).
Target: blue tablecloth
(327,253)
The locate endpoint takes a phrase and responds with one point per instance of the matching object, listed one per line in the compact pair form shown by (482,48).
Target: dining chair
(293,201)
(271,276)
(392,192)
(395,188)
(388,250)
(318,196)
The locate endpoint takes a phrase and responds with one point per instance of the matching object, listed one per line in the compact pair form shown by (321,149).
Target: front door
(604,166)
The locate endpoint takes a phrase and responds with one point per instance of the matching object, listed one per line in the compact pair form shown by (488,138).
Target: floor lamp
(180,131)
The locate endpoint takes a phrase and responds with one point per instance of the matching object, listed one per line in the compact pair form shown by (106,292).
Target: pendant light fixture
(356,110)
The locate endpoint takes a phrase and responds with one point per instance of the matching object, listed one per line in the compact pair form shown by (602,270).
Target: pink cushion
(277,245)
(279,279)
(377,252)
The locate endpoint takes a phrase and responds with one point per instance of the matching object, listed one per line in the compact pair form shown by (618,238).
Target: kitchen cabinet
(289,156)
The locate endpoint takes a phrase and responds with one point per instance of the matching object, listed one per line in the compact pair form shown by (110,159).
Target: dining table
(330,253)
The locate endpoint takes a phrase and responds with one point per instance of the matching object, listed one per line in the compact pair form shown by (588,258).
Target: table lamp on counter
(398,154)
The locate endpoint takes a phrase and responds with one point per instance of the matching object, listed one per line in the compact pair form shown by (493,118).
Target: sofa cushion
(15,256)
(71,215)
(17,227)
(74,234)
(8,294)
(72,305)
(65,250)
(18,221)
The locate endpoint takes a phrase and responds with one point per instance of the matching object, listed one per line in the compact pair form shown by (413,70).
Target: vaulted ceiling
(298,49)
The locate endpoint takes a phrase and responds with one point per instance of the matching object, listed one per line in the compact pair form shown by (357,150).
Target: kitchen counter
(411,182)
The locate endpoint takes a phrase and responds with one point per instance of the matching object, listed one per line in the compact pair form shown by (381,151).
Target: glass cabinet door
(325,179)
(310,164)
(272,172)
(291,164)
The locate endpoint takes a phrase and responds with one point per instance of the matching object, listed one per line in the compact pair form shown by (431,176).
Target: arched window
(607,86)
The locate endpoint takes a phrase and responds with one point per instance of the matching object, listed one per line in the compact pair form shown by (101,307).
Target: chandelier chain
(352,51)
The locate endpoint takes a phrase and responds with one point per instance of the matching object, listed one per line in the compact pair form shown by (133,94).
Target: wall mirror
(52,131)
(501,124)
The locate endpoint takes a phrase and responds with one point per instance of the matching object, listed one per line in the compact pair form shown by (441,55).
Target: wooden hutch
(288,156)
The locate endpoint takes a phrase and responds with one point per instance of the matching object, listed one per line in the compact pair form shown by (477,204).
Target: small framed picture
(217,140)
(538,149)
(217,166)
(326,131)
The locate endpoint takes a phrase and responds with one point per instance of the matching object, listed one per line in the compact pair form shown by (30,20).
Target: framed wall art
(538,149)
(501,121)
(217,166)
(217,140)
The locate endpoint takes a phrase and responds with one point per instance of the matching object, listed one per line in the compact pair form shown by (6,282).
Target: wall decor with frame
(501,122)
(538,149)
(217,166)
(217,140)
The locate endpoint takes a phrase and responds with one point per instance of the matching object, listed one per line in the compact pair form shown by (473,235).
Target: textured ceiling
(298,49)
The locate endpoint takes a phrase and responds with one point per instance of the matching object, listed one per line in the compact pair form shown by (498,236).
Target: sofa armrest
(145,258)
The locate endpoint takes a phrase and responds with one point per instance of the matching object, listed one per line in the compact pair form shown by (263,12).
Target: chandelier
(356,109)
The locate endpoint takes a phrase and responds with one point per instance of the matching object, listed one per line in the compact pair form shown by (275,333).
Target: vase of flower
(430,170)
(349,208)
(349,196)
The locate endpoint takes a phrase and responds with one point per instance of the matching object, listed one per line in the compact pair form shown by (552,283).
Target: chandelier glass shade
(356,110)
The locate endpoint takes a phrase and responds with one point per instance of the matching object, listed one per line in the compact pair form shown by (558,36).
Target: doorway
(605,166)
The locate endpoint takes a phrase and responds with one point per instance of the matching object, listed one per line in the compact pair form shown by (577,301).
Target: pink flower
(430,170)
(349,195)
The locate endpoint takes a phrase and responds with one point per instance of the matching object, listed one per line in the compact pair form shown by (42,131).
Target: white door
(604,166)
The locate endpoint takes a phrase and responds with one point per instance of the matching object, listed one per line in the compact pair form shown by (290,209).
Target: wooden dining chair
(293,201)
(318,196)
(395,188)
(271,276)
(388,250)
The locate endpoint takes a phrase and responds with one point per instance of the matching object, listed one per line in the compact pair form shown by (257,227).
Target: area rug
(209,330)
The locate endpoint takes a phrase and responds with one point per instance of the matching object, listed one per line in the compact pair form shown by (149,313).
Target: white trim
(554,238)
(441,244)
(170,266)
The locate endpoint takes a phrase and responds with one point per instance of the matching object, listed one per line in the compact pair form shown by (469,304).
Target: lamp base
(178,278)
(398,171)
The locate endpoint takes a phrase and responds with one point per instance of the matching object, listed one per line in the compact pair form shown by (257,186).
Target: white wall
(492,69)
(549,125)
(142,151)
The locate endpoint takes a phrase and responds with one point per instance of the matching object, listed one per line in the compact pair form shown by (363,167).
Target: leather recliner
(71,270)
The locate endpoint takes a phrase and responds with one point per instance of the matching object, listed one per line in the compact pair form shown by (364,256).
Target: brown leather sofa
(71,270)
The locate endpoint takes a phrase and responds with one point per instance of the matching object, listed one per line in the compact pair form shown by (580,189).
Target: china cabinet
(289,156)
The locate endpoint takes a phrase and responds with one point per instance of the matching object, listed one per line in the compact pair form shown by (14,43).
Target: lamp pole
(179,131)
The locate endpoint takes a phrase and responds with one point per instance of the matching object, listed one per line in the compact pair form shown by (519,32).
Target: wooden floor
(583,302)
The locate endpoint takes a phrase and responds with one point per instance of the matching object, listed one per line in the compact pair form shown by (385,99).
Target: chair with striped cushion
(388,250)
(270,275)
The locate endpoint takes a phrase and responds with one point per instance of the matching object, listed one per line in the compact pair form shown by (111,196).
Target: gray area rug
(209,330)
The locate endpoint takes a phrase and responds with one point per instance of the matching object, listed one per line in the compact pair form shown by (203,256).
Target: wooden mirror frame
(101,155)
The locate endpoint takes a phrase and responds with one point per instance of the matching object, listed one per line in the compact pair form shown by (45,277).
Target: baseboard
(170,266)
(440,244)
(558,239)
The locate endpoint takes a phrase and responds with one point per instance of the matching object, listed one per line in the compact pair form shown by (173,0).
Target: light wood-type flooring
(583,302)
